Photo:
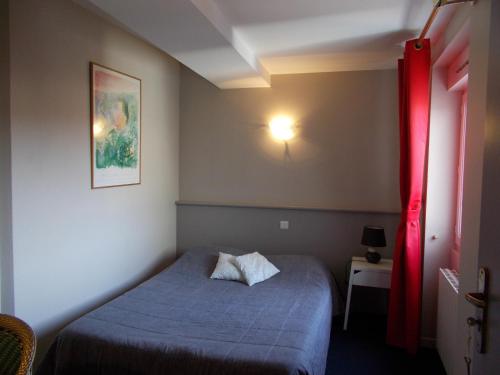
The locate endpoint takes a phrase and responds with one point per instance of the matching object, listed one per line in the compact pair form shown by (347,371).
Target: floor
(362,350)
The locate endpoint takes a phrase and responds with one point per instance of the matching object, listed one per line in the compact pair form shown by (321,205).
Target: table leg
(348,302)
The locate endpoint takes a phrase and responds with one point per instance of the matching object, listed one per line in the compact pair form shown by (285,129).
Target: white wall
(441,194)
(75,247)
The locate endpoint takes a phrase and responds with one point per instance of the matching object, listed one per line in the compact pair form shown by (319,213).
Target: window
(455,255)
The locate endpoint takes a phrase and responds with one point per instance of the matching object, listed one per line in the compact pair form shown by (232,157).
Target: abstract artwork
(115,127)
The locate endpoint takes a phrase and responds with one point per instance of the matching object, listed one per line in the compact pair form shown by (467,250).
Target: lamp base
(372,256)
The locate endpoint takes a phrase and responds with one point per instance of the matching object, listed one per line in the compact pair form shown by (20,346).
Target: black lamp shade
(373,236)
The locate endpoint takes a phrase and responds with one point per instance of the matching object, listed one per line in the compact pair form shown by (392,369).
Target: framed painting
(115,127)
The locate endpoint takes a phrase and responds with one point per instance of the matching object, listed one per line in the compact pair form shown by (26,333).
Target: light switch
(284,224)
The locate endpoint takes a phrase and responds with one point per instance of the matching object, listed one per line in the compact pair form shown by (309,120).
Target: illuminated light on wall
(282,128)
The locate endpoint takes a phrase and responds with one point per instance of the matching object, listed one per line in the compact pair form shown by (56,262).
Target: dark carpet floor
(362,350)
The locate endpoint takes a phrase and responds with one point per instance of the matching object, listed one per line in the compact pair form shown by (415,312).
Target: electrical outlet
(284,224)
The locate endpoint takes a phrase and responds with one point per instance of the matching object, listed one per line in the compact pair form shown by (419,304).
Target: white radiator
(447,316)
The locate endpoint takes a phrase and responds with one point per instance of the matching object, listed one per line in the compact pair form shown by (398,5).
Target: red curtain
(403,323)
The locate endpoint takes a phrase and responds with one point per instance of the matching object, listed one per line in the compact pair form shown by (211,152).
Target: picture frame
(115,127)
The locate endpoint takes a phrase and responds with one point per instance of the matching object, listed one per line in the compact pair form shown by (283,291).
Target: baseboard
(428,342)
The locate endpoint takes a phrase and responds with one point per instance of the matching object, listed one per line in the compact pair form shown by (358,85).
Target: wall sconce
(282,128)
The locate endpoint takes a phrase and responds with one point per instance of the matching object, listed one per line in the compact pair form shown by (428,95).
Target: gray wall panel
(333,236)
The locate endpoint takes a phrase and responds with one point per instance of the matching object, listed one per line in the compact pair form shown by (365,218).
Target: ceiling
(240,43)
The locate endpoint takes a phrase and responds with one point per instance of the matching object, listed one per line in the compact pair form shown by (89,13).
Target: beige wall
(75,247)
(6,282)
(344,157)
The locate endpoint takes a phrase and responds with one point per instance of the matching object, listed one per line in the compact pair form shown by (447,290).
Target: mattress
(182,322)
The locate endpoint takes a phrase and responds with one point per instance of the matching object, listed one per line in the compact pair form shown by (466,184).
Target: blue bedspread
(182,322)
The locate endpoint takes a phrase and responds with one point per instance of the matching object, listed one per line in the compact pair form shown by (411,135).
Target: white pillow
(255,268)
(226,268)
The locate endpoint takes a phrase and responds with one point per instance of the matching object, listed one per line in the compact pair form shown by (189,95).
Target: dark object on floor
(362,350)
(17,346)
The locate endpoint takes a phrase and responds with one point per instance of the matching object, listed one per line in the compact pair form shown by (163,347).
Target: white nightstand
(367,274)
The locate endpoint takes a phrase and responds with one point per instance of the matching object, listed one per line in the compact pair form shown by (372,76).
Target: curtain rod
(439,4)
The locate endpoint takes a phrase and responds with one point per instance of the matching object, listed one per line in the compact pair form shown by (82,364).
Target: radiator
(447,317)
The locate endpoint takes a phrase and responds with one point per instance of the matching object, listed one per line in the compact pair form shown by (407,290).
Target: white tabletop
(360,263)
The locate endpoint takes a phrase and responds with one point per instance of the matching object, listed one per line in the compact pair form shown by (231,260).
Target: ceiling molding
(179,28)
(241,43)
(212,12)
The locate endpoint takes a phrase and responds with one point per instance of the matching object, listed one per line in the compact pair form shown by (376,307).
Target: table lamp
(373,237)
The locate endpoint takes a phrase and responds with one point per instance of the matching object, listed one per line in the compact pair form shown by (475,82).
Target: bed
(182,322)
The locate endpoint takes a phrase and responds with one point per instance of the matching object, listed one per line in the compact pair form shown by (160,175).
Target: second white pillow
(255,268)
